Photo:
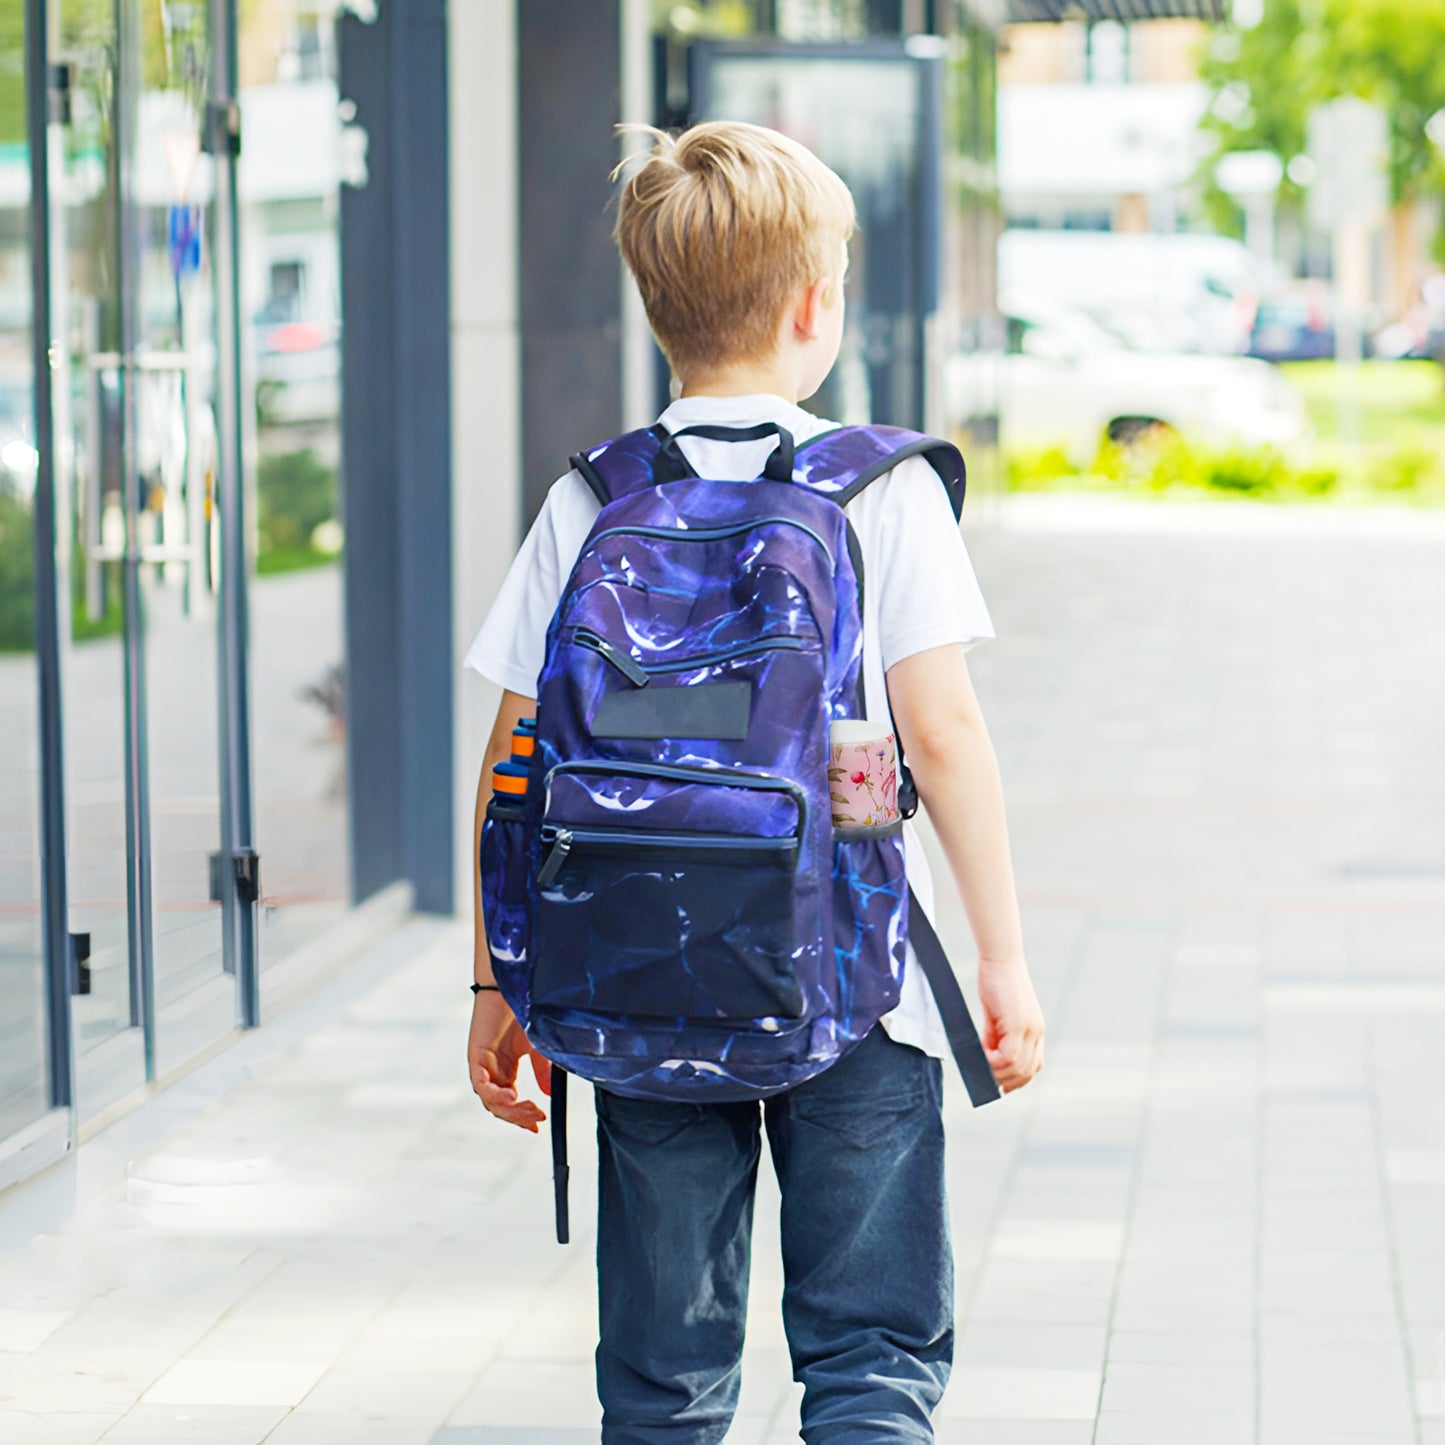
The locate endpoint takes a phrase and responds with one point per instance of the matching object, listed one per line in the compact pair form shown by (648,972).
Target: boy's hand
(495,1048)
(1013,1032)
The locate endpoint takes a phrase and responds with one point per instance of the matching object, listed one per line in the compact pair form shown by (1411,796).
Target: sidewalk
(1217,1219)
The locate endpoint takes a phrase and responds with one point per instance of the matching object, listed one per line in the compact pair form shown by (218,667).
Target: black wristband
(485,988)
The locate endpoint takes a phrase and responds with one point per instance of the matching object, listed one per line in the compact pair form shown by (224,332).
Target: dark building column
(569,100)
(396,454)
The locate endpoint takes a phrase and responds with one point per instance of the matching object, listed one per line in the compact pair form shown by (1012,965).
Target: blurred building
(303,304)
(1098,123)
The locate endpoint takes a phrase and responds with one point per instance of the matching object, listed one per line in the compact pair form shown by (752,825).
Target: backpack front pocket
(685,924)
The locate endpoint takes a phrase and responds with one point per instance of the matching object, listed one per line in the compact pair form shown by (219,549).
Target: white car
(1064,380)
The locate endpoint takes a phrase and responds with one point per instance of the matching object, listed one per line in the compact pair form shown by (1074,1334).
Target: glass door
(97,631)
(137,456)
(169,324)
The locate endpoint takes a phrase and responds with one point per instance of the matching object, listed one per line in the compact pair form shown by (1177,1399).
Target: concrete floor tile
(24,1330)
(1183,1347)
(235,1382)
(202,1424)
(301,1428)
(513,1394)
(18,1427)
(1049,1347)
(1162,1388)
(1023,1393)
(1171,1428)
(1011,1432)
(513,1435)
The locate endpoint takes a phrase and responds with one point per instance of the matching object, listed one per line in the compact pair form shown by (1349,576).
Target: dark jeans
(868,1297)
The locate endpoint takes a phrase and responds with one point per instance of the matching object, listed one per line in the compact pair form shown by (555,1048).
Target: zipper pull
(556,857)
(619,659)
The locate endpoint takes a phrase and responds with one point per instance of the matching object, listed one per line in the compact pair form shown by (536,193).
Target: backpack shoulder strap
(630,463)
(841,463)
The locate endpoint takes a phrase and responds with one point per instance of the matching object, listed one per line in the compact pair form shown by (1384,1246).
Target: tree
(1265,80)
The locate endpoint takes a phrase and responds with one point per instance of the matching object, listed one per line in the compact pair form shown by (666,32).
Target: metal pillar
(238,851)
(401,664)
(125,133)
(54,902)
(571,296)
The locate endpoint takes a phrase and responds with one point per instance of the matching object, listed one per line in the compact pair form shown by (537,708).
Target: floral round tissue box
(862,775)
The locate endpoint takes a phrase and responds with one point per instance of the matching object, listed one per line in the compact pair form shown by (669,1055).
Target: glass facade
(142,970)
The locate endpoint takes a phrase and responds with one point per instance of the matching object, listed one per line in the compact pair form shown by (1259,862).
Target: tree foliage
(1265,80)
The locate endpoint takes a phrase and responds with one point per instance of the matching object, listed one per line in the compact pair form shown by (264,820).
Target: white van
(1176,292)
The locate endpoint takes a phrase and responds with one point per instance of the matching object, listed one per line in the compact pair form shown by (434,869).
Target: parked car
(1174,292)
(1065,380)
(1295,325)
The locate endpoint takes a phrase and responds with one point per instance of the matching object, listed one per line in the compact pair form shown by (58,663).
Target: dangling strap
(963,1039)
(559,1151)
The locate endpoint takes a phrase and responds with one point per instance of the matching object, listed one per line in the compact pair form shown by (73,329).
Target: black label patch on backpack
(708,710)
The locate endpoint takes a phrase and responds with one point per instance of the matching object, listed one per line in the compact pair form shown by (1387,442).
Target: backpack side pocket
(504,861)
(870,890)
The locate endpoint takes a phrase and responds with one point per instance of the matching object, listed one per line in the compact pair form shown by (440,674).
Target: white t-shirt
(920,593)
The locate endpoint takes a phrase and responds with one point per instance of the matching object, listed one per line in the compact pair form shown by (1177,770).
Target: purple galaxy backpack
(669,910)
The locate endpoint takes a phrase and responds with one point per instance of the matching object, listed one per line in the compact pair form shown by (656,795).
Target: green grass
(1402,403)
(290,559)
(1399,456)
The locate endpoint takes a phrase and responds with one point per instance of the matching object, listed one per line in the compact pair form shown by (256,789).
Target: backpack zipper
(563,840)
(594,642)
(746,649)
(640,676)
(712,534)
(718,777)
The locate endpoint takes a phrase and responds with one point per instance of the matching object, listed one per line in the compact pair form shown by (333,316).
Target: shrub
(1163,462)
(297,493)
(1410,469)
(1035,469)
(17,574)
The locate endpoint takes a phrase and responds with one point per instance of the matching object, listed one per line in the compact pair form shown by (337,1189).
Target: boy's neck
(744,380)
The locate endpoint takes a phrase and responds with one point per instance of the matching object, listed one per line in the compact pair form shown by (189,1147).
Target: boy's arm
(947,747)
(495,1042)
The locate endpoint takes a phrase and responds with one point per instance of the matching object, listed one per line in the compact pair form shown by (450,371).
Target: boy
(737,238)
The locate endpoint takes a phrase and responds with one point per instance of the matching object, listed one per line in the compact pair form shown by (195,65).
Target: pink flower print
(859,778)
(890,790)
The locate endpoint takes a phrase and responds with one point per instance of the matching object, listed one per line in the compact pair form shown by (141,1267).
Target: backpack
(669,910)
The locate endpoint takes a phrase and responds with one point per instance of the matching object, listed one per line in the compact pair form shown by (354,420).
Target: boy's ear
(809,306)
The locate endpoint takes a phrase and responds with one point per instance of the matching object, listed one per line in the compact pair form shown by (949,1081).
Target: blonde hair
(721,228)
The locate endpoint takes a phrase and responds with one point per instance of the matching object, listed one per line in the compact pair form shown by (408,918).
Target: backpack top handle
(779,467)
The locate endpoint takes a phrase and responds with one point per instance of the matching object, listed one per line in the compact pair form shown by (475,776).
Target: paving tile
(997,1393)
(1010,1432)
(1160,1388)
(1183,1347)
(234,1382)
(24,1330)
(512,1394)
(211,1424)
(18,1427)
(1051,1347)
(514,1435)
(301,1428)
(1142,1427)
